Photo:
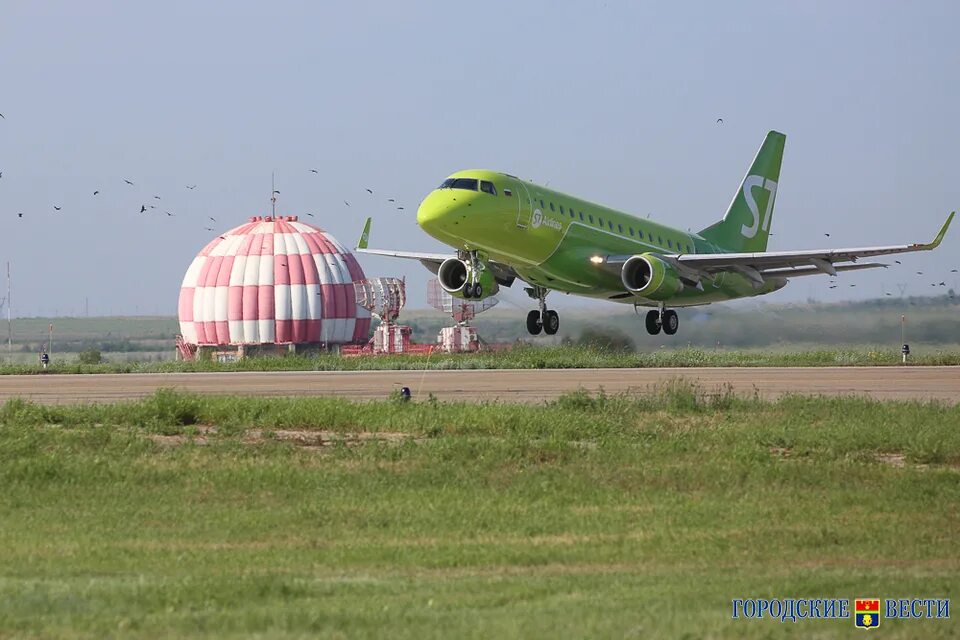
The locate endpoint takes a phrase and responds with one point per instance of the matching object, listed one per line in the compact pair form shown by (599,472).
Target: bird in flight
(56,208)
(2,116)
(19,215)
(209,228)
(143,208)
(191,186)
(833,286)
(953,270)
(314,171)
(919,273)
(275,191)
(212,218)
(153,206)
(128,182)
(400,208)
(310,214)
(853,285)
(168,213)
(96,192)
(369,191)
(390,200)
(156,197)
(719,120)
(346,203)
(827,234)
(1,174)
(898,262)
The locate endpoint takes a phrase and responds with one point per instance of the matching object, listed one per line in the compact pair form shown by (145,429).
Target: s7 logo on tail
(748,184)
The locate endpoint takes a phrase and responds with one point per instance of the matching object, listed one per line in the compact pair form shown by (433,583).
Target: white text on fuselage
(540,219)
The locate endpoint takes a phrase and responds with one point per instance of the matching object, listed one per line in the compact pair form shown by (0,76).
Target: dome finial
(273,195)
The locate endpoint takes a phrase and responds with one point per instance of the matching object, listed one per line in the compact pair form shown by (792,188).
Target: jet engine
(458,279)
(651,277)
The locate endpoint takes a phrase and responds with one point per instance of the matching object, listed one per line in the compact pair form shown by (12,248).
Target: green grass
(593,516)
(528,357)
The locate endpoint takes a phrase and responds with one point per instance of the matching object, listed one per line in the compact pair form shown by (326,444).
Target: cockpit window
(487,187)
(470,184)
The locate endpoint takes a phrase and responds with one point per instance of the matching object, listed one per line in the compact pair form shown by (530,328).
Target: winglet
(365,236)
(943,231)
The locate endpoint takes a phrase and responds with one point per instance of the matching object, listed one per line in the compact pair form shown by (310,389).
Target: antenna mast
(273,195)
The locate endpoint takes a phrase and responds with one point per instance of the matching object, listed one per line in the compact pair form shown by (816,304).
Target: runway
(898,383)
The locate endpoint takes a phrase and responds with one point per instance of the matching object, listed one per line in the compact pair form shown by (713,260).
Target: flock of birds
(146,207)
(153,204)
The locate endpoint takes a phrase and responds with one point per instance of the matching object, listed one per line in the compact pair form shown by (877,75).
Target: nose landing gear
(544,319)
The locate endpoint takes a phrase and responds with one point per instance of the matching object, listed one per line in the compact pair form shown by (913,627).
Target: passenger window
(571,214)
(660,240)
(610,224)
(542,206)
(670,243)
(688,249)
(561,209)
(581,215)
(507,192)
(487,187)
(600,220)
(551,207)
(620,228)
(631,231)
(591,218)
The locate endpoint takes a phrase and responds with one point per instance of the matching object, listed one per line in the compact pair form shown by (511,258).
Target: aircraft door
(524,206)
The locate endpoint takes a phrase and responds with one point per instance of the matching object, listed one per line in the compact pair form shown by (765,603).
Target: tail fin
(746,225)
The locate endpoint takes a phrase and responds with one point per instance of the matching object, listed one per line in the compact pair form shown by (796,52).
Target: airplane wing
(789,264)
(503,273)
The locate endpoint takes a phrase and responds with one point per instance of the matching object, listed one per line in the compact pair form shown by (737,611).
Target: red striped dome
(272,280)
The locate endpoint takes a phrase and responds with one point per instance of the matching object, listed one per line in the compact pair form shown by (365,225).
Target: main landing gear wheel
(551,322)
(467,291)
(670,322)
(653,322)
(534,324)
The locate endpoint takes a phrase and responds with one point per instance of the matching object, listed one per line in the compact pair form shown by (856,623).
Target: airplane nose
(431,210)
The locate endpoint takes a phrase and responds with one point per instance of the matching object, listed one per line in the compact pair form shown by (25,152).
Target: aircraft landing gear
(544,319)
(666,319)
(472,290)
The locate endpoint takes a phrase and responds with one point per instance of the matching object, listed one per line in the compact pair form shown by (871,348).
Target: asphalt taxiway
(898,383)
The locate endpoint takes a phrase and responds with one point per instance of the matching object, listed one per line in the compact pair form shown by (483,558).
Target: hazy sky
(613,101)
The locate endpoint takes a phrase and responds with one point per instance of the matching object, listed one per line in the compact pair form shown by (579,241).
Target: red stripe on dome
(235,303)
(249,301)
(327,296)
(361,330)
(265,302)
(223,332)
(298,267)
(226,268)
(356,272)
(243,249)
(313,330)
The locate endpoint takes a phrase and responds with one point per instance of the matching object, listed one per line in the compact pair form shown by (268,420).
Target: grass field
(529,357)
(588,517)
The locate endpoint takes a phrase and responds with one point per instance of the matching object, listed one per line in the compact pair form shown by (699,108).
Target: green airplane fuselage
(549,238)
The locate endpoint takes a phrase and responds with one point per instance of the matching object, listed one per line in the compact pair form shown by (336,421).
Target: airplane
(505,229)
